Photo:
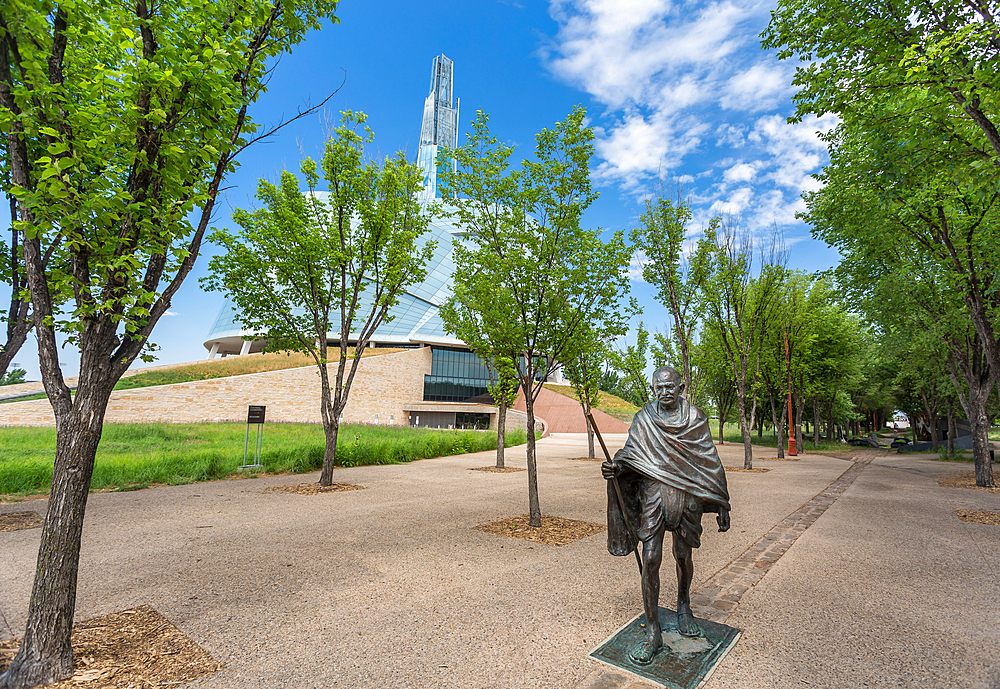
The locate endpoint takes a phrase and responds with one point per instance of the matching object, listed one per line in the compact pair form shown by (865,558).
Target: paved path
(718,597)
(840,574)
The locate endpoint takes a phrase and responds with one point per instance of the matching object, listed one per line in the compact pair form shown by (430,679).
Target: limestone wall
(382,386)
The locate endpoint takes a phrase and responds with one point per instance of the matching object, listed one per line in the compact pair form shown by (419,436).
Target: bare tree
(739,282)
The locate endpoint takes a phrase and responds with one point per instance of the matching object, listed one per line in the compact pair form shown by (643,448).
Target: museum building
(454,378)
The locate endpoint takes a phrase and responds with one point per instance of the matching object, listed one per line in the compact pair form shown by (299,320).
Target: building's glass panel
(457,376)
(471,420)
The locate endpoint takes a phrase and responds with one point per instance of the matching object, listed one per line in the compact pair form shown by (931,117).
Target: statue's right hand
(610,469)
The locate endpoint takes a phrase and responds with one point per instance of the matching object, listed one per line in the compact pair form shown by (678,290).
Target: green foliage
(13,377)
(631,363)
(137,455)
(585,369)
(310,264)
(660,236)
(529,279)
(129,116)
(504,380)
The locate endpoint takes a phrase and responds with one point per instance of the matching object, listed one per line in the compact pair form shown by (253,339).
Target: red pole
(791,425)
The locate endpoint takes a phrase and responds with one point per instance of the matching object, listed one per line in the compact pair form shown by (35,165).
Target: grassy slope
(608,403)
(136,455)
(230,366)
(214,368)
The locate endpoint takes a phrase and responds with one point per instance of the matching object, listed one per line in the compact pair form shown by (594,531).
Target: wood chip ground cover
(15,521)
(967,479)
(498,470)
(312,488)
(132,648)
(553,531)
(979,516)
(747,471)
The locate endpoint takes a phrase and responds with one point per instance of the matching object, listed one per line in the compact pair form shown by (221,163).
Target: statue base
(682,663)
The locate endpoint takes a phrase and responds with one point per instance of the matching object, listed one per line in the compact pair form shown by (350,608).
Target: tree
(660,237)
(13,377)
(740,305)
(18,316)
(584,372)
(917,153)
(526,261)
(308,265)
(634,385)
(717,375)
(121,121)
(503,387)
(939,60)
(909,216)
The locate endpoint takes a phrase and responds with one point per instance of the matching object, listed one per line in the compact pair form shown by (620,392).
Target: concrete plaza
(849,571)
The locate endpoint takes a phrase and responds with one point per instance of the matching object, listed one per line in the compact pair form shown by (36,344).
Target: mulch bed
(979,516)
(133,648)
(747,471)
(15,521)
(587,459)
(553,531)
(312,488)
(495,470)
(967,479)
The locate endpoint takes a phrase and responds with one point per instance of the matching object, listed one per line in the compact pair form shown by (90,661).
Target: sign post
(255,414)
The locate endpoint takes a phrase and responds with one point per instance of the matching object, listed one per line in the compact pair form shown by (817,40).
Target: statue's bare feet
(644,651)
(685,622)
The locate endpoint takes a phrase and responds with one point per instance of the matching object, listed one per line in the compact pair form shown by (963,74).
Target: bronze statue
(665,477)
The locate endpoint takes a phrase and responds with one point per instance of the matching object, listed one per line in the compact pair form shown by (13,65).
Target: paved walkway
(840,573)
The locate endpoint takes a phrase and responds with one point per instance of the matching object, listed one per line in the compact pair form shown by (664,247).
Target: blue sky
(679,88)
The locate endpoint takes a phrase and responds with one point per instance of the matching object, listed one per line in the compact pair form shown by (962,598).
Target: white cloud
(741,172)
(170,313)
(688,92)
(761,87)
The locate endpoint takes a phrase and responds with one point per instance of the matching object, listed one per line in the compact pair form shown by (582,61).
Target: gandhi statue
(669,473)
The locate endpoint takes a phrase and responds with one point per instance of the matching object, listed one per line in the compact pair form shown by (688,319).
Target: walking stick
(618,492)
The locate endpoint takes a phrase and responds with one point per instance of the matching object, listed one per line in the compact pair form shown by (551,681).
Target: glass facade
(457,376)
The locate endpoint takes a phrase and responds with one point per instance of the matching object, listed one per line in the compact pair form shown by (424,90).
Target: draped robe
(676,450)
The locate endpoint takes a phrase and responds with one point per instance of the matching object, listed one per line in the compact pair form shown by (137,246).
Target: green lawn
(732,435)
(137,455)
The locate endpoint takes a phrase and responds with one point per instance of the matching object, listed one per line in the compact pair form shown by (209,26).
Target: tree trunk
(829,421)
(779,426)
(816,421)
(45,655)
(534,511)
(501,431)
(745,431)
(590,433)
(331,427)
(952,429)
(981,448)
(800,407)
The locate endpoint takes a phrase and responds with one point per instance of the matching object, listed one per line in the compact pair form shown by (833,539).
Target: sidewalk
(838,577)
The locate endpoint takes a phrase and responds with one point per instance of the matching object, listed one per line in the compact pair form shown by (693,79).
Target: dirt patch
(979,516)
(967,479)
(312,488)
(553,531)
(15,521)
(746,471)
(131,648)
(495,470)
(586,459)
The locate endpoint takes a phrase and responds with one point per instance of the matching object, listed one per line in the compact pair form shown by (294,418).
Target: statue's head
(667,386)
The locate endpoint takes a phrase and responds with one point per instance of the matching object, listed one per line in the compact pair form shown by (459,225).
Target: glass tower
(440,123)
